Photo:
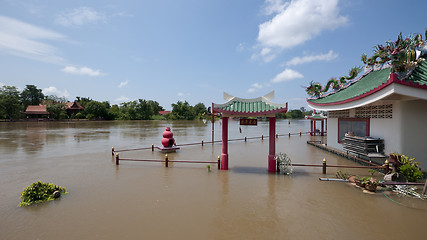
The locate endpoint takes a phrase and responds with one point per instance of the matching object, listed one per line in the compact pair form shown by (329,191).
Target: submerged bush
(410,169)
(285,163)
(40,192)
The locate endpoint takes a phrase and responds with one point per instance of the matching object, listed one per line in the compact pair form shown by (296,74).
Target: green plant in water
(372,172)
(342,175)
(410,169)
(209,168)
(285,163)
(369,181)
(40,192)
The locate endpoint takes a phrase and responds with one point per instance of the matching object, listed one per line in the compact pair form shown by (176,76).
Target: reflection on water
(146,200)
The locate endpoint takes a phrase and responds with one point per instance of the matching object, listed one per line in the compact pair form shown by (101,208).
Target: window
(356,126)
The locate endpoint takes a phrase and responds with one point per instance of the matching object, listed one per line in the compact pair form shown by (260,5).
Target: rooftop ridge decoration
(315,89)
(402,56)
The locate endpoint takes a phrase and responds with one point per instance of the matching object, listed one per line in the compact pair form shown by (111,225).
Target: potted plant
(357,181)
(370,183)
(395,160)
(410,169)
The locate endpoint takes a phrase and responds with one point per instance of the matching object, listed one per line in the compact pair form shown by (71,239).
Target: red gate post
(324,166)
(272,146)
(224,155)
(311,127)
(219,163)
(322,128)
(117,159)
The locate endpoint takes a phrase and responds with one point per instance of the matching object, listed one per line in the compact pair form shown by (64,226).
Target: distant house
(380,104)
(163,113)
(73,108)
(36,111)
(40,111)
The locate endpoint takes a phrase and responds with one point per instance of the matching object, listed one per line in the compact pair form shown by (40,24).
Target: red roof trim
(253,114)
(393,79)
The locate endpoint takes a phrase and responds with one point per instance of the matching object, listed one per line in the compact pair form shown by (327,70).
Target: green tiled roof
(370,82)
(261,106)
(362,86)
(419,75)
(244,107)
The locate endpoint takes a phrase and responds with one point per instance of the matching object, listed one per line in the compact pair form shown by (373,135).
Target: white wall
(389,129)
(404,133)
(332,135)
(414,130)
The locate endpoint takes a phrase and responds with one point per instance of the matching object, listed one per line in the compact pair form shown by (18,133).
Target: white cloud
(274,6)
(181,94)
(297,22)
(254,87)
(241,47)
(331,55)
(122,84)
(1,84)
(287,75)
(79,16)
(122,99)
(54,91)
(25,40)
(82,71)
(257,85)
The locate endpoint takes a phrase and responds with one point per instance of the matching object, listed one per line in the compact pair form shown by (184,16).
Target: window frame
(365,120)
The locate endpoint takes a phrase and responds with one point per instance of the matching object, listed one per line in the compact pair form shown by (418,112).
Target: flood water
(144,200)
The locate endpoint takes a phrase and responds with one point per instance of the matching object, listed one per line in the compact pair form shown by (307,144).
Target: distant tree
(83,101)
(128,110)
(97,110)
(281,115)
(199,110)
(57,110)
(51,99)
(114,112)
(144,110)
(31,95)
(296,113)
(155,106)
(182,111)
(10,102)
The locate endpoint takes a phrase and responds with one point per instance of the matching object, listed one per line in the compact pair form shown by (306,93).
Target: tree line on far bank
(13,104)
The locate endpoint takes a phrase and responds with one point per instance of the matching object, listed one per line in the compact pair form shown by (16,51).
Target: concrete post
(272,146)
(224,155)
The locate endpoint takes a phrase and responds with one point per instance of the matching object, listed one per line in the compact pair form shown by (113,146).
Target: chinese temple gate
(255,107)
(317,117)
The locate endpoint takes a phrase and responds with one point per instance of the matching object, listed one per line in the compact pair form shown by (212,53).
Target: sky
(193,50)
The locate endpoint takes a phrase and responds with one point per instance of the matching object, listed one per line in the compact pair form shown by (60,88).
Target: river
(145,200)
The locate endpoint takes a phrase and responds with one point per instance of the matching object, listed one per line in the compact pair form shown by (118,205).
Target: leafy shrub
(410,169)
(285,163)
(40,192)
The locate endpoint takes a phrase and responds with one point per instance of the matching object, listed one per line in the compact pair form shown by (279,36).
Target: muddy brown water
(140,200)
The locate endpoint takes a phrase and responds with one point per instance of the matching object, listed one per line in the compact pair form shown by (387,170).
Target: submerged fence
(166,161)
(202,142)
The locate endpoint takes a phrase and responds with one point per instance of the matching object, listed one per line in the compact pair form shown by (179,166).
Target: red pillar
(224,154)
(272,145)
(314,127)
(311,128)
(322,128)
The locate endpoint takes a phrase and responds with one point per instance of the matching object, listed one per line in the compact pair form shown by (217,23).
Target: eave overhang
(393,86)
